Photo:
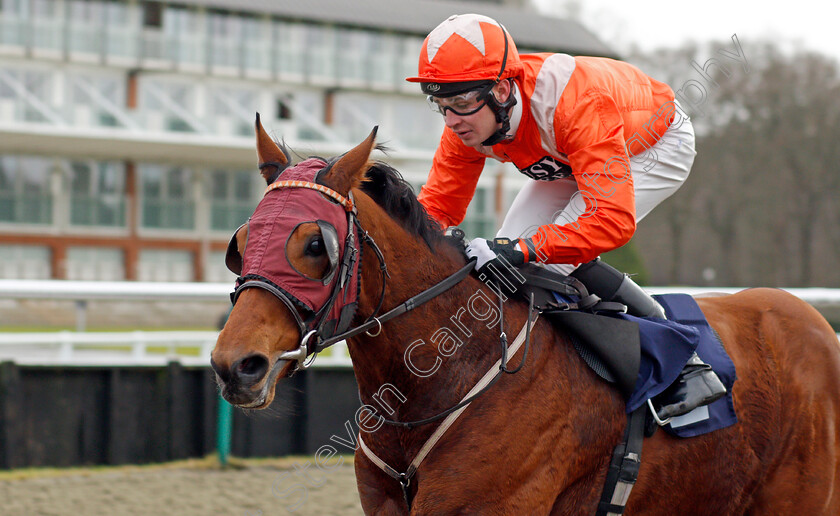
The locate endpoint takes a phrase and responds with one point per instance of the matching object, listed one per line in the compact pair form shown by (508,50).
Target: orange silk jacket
(577,118)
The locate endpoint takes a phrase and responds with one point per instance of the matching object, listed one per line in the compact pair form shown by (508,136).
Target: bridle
(314,336)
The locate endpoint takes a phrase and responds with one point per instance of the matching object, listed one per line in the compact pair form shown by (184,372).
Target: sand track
(253,488)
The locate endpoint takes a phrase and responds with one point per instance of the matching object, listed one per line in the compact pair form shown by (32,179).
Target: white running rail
(130,348)
(139,348)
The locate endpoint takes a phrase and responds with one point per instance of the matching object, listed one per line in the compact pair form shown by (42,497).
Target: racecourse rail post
(224,428)
(224,416)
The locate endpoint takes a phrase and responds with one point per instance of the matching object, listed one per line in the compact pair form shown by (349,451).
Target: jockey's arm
(452,181)
(602,216)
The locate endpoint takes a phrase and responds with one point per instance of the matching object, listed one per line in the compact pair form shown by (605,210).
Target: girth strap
(624,466)
(405,478)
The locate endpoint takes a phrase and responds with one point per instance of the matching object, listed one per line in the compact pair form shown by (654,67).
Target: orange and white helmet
(464,52)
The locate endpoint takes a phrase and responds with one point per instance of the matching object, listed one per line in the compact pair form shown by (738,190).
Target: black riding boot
(697,384)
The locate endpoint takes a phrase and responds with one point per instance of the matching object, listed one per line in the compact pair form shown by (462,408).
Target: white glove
(479,250)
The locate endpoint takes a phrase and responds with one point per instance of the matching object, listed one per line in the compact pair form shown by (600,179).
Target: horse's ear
(269,152)
(349,171)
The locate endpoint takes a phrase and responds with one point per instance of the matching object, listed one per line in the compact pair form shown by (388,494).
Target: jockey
(601,142)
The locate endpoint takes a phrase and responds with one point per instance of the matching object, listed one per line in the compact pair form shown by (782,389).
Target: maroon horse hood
(278,214)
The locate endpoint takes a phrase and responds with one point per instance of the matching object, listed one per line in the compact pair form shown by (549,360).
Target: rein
(410,304)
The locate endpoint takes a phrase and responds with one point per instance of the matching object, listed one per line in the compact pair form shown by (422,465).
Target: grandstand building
(126,126)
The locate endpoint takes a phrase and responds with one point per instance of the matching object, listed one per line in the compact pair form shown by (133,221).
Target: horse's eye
(315,247)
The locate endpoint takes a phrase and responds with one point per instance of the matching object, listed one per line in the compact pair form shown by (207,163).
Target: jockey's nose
(244,372)
(450,119)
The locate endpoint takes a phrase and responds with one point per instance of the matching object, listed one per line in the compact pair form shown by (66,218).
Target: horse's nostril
(251,369)
(222,372)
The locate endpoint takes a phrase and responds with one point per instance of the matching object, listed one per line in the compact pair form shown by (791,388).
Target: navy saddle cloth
(666,345)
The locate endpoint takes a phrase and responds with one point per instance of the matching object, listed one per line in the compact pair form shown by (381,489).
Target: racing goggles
(463,104)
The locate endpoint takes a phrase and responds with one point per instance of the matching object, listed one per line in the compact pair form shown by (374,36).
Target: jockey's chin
(473,129)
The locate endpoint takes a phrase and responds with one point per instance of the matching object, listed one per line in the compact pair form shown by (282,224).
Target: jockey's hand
(485,251)
(495,258)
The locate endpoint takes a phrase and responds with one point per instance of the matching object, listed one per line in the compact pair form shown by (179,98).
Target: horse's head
(297,261)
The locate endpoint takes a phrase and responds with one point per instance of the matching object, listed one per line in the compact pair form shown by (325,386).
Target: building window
(256,44)
(25,190)
(24,262)
(284,112)
(13,29)
(97,194)
(85,26)
(289,50)
(165,265)
(320,45)
(185,35)
(95,264)
(152,14)
(356,113)
(14,7)
(40,84)
(425,128)
(233,199)
(225,39)
(47,30)
(382,63)
(354,49)
(168,197)
(121,36)
(409,49)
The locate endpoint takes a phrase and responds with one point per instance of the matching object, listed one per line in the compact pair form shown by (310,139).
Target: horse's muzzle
(238,380)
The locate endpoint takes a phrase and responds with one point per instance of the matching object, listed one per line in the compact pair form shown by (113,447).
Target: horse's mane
(386,186)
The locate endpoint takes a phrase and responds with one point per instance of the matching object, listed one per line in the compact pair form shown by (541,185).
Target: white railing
(188,347)
(194,291)
(812,295)
(130,348)
(126,290)
(111,348)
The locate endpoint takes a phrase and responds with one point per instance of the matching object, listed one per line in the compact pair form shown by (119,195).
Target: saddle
(640,356)
(609,346)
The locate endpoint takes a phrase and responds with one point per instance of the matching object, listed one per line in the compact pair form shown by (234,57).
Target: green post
(224,427)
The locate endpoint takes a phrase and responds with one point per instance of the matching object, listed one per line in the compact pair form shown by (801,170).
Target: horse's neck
(443,347)
(411,270)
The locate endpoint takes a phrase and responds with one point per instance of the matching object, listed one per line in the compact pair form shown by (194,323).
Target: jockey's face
(475,127)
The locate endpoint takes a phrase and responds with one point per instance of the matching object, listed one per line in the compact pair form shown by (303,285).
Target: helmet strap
(502,112)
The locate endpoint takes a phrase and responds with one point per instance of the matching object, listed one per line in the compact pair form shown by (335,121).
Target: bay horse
(538,441)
